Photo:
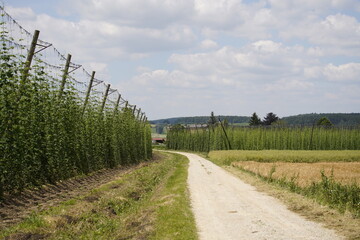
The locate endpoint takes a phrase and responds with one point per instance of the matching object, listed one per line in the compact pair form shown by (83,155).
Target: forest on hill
(199,120)
(338,119)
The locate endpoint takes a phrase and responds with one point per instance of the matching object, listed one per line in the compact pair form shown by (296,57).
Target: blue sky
(191,57)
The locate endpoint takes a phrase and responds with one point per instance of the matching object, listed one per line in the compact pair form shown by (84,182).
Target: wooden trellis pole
(117,103)
(105,97)
(66,71)
(137,116)
(89,90)
(30,57)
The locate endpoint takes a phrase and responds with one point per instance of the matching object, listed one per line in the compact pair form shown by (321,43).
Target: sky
(190,57)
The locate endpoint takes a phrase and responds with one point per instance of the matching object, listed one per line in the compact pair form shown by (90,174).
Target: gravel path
(226,208)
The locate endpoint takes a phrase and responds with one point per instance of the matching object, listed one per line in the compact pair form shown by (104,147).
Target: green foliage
(45,138)
(324,121)
(262,138)
(342,197)
(270,118)
(254,120)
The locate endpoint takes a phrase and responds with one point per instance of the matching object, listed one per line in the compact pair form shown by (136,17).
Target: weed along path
(227,208)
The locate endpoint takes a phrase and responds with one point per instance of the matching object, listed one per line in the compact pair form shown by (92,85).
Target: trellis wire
(53,62)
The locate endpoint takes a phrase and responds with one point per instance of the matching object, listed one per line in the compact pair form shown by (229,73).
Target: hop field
(264,138)
(53,126)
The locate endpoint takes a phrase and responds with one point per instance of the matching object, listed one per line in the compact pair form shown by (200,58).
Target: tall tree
(324,121)
(270,118)
(254,120)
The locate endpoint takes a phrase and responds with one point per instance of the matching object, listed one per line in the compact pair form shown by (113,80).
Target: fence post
(105,97)
(89,90)
(66,71)
(29,57)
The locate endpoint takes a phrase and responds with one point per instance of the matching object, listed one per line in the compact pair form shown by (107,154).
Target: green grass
(175,219)
(308,156)
(151,202)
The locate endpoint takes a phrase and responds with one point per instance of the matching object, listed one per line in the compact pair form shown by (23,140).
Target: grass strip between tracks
(148,203)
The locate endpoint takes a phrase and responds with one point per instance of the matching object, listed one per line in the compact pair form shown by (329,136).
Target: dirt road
(226,208)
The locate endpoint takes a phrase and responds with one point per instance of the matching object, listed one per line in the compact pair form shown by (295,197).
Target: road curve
(226,208)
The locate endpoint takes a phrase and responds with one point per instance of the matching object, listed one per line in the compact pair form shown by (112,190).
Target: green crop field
(262,138)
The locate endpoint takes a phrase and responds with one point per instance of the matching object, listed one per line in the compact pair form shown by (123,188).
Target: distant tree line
(273,119)
(199,120)
(324,119)
(338,119)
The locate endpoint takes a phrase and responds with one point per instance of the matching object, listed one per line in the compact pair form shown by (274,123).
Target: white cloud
(289,85)
(254,54)
(266,46)
(101,40)
(208,44)
(23,13)
(135,13)
(344,72)
(334,35)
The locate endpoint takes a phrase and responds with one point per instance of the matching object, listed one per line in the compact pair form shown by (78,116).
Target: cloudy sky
(191,57)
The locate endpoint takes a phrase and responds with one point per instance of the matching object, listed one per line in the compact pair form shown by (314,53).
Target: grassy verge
(175,219)
(148,203)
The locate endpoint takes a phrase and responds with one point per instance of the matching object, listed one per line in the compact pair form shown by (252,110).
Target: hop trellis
(53,63)
(57,120)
